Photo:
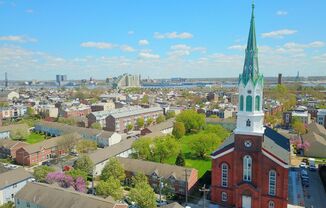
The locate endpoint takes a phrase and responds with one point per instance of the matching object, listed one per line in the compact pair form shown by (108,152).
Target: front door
(246,201)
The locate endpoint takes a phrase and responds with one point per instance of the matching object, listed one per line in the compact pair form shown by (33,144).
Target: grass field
(202,165)
(34,138)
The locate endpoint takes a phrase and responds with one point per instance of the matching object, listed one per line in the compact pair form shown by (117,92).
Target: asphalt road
(315,195)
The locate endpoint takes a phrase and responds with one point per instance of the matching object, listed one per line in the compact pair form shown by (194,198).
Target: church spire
(250,68)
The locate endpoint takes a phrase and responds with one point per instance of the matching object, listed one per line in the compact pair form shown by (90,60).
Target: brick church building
(250,169)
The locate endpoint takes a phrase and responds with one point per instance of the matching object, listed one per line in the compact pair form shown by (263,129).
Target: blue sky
(159,39)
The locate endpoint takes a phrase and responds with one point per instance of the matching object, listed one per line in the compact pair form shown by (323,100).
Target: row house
(101,137)
(9,147)
(13,112)
(119,121)
(103,106)
(75,111)
(47,110)
(163,128)
(180,178)
(40,152)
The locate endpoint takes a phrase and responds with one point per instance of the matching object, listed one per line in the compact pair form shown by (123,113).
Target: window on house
(248,123)
(249,103)
(271,204)
(272,183)
(247,166)
(224,176)
(224,196)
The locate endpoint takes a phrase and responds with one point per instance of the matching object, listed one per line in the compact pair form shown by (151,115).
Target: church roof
(275,143)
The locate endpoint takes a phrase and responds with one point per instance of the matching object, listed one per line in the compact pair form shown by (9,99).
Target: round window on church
(249,91)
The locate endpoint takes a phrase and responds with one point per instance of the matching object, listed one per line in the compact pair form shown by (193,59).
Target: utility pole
(186,177)
(160,188)
(205,190)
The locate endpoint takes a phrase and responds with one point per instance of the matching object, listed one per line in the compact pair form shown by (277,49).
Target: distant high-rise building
(279,81)
(61,78)
(128,80)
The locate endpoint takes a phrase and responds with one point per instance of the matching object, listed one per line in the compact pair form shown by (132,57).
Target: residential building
(163,128)
(35,195)
(13,112)
(175,175)
(75,111)
(321,117)
(48,110)
(42,151)
(101,137)
(7,95)
(127,80)
(250,168)
(118,120)
(301,113)
(12,181)
(315,141)
(101,156)
(9,147)
(103,106)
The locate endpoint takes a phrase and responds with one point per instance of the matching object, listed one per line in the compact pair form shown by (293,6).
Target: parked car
(305,182)
(160,203)
(304,174)
(47,163)
(303,165)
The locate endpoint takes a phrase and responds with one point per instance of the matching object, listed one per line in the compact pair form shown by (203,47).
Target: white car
(303,165)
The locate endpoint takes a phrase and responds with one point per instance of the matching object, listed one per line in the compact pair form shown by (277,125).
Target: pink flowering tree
(80,184)
(61,178)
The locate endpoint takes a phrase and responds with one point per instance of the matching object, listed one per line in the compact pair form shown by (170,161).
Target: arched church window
(249,103)
(224,176)
(248,123)
(257,103)
(271,204)
(272,183)
(241,103)
(247,166)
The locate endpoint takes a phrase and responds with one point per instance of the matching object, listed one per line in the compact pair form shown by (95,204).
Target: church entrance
(246,201)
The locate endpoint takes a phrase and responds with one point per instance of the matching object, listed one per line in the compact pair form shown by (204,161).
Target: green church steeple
(251,68)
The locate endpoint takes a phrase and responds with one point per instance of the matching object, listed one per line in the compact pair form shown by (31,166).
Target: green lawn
(34,138)
(202,165)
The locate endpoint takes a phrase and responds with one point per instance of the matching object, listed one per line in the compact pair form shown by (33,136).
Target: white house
(11,182)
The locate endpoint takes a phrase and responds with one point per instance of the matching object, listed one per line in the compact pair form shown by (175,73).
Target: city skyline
(158,40)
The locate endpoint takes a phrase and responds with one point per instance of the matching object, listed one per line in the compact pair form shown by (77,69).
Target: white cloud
(98,45)
(173,35)
(127,48)
(131,32)
(107,45)
(148,55)
(30,11)
(143,42)
(281,13)
(17,38)
(320,58)
(184,50)
(279,33)
(237,47)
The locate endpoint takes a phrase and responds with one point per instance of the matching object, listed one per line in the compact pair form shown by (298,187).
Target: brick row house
(250,169)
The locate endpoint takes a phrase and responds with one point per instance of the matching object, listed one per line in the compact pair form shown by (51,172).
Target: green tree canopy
(114,169)
(192,120)
(143,148)
(178,130)
(204,143)
(129,127)
(85,146)
(143,195)
(41,172)
(160,119)
(170,114)
(165,147)
(140,122)
(110,187)
(180,160)
(84,163)
(96,125)
(75,173)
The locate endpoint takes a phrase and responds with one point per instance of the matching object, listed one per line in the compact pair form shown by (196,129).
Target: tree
(110,187)
(85,146)
(8,205)
(114,169)
(129,127)
(30,111)
(76,173)
(149,121)
(140,123)
(139,178)
(68,142)
(178,130)
(192,120)
(19,134)
(165,147)
(170,114)
(143,194)
(41,172)
(160,119)
(80,184)
(299,127)
(204,143)
(68,121)
(96,125)
(84,163)
(143,148)
(65,181)
(145,99)
(180,160)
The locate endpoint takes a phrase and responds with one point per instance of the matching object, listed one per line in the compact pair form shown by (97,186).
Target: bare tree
(68,142)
